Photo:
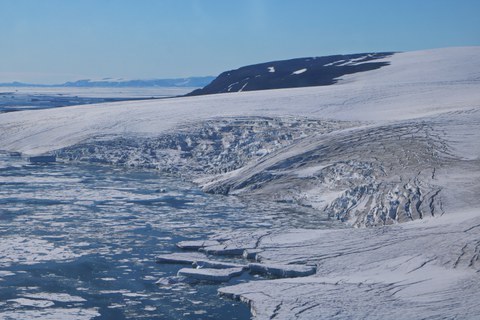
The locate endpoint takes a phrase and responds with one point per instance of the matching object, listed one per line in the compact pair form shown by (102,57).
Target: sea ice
(60,297)
(33,303)
(208,274)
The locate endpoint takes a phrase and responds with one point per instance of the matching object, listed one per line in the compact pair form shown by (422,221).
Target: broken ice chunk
(168,281)
(212,275)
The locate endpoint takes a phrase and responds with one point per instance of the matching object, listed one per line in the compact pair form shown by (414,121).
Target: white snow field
(394,153)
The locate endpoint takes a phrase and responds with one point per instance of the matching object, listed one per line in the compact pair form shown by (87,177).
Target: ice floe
(60,297)
(210,274)
(51,314)
(33,302)
(24,250)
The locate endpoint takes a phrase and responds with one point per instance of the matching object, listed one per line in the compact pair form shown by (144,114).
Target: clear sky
(48,41)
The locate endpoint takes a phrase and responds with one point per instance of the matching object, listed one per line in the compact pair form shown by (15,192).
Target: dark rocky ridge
(300,72)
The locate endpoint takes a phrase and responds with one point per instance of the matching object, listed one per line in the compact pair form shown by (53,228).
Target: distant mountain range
(300,72)
(115,83)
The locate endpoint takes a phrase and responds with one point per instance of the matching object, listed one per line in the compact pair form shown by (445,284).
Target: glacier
(393,154)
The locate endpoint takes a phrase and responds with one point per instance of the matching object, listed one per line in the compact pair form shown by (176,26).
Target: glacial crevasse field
(393,153)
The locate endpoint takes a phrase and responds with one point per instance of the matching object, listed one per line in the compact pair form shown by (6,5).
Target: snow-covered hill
(395,144)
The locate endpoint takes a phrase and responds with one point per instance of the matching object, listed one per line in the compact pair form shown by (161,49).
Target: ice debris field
(392,153)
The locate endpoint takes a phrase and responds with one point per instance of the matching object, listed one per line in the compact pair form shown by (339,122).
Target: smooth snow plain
(397,144)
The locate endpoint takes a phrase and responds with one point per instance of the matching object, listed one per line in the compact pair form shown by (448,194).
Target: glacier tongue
(364,175)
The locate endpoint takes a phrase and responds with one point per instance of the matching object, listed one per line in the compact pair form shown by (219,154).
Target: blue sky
(47,41)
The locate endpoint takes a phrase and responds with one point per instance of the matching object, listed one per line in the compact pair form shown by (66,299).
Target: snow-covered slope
(362,97)
(390,145)
(418,270)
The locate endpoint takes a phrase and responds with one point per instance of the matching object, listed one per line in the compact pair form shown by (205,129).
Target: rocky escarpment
(293,73)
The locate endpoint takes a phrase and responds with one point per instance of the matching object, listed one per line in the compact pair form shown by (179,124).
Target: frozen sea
(32,98)
(79,241)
